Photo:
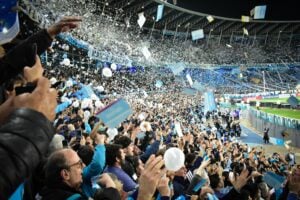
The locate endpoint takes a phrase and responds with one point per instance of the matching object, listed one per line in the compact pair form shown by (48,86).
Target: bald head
(59,161)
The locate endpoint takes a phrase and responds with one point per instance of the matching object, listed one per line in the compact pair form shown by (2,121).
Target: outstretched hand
(64,25)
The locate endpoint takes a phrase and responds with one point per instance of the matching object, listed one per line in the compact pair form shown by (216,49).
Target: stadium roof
(189,15)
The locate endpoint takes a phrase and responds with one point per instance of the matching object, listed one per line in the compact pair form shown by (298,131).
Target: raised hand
(241,180)
(106,180)
(64,25)
(42,99)
(32,74)
(163,187)
(150,177)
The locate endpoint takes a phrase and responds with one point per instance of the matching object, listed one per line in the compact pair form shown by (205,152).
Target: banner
(258,114)
(78,43)
(177,68)
(279,120)
(273,180)
(290,123)
(271,118)
(275,119)
(264,116)
(189,91)
(115,113)
(284,95)
(209,102)
(159,14)
(198,86)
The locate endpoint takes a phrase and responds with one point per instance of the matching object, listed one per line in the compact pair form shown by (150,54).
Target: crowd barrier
(280,128)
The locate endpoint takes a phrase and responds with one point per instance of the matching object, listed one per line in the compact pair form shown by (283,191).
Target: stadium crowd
(53,145)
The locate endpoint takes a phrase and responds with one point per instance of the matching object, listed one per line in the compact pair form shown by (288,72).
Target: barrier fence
(280,128)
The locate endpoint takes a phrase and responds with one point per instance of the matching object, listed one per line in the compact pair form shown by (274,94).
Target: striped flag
(189,175)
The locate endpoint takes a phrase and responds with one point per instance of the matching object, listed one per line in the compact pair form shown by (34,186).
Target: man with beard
(127,147)
(115,157)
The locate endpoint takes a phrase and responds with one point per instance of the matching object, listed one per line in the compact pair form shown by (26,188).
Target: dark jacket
(24,140)
(17,57)
(128,167)
(180,185)
(20,56)
(60,191)
(151,149)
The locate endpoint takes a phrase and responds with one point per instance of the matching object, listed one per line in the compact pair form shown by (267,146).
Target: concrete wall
(275,130)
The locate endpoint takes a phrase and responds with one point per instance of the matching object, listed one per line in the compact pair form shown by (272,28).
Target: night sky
(276,10)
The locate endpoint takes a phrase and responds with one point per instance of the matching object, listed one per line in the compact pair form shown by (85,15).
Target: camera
(216,157)
(212,159)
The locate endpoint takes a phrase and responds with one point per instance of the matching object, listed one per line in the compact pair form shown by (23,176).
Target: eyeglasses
(79,163)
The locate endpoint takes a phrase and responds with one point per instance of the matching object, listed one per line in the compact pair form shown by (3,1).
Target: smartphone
(65,143)
(199,185)
(28,88)
(78,135)
(211,196)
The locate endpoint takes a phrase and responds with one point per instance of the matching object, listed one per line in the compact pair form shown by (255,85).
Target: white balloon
(112,132)
(94,97)
(69,83)
(53,80)
(86,114)
(100,88)
(107,72)
(141,116)
(66,61)
(214,129)
(145,126)
(85,103)
(75,104)
(113,66)
(174,159)
(64,99)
